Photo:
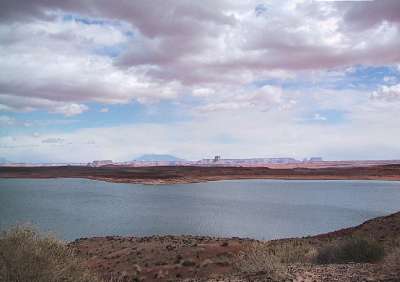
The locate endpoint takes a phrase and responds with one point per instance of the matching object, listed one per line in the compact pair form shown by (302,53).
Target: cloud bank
(76,52)
(286,60)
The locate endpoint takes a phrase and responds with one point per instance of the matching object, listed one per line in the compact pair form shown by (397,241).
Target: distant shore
(193,174)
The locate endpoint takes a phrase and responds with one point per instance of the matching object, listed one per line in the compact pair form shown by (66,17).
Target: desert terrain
(194,258)
(192,174)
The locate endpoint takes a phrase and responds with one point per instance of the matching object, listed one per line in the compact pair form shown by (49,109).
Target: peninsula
(193,174)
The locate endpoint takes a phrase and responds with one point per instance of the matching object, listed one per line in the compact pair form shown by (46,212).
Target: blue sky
(252,79)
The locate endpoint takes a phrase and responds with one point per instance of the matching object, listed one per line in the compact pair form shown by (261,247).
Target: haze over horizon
(89,80)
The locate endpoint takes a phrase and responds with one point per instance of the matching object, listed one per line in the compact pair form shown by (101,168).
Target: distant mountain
(158,157)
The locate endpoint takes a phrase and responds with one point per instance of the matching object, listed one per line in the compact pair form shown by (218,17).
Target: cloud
(256,134)
(47,65)
(263,98)
(367,14)
(247,71)
(104,110)
(78,52)
(319,117)
(13,122)
(203,92)
(53,140)
(28,104)
(70,109)
(387,93)
(390,79)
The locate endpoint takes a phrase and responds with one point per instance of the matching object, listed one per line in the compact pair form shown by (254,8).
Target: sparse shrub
(119,277)
(27,255)
(255,259)
(272,258)
(292,251)
(350,250)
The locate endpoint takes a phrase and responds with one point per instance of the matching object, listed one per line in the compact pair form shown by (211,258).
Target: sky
(96,79)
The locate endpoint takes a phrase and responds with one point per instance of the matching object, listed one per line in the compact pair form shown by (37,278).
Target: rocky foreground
(195,258)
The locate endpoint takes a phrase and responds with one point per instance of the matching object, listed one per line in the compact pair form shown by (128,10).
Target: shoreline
(329,234)
(204,258)
(194,181)
(185,175)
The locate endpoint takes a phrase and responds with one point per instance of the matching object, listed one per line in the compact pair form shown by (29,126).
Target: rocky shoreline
(202,258)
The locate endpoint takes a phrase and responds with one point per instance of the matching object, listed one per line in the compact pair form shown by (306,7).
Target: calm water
(263,209)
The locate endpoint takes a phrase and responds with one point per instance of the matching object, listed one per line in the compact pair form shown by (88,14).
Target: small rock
(188,263)
(225,244)
(137,268)
(206,262)
(178,259)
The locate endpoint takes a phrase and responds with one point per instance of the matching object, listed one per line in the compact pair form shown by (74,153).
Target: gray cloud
(167,48)
(367,14)
(155,18)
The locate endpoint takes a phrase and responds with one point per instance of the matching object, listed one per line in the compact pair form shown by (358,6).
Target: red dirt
(186,174)
(175,258)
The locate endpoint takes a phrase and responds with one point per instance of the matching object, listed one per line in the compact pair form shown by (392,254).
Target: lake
(261,209)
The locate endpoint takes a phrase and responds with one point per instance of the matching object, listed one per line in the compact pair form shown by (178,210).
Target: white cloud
(104,110)
(390,79)
(319,117)
(264,98)
(61,69)
(70,109)
(203,92)
(387,93)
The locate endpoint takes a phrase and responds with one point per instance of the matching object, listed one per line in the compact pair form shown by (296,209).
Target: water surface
(262,209)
